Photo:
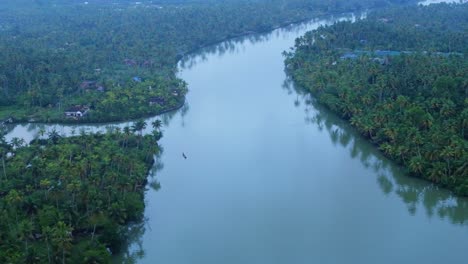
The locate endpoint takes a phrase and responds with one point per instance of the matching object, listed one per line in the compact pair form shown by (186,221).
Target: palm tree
(157,124)
(26,228)
(17,142)
(54,136)
(127,133)
(139,126)
(41,132)
(4,148)
(62,238)
(416,164)
(15,199)
(46,232)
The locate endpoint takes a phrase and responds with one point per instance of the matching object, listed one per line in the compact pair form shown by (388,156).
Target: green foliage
(49,48)
(414,105)
(67,200)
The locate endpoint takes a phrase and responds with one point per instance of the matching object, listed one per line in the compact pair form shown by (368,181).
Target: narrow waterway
(271,177)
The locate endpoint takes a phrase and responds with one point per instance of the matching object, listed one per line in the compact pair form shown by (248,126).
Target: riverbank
(76,83)
(58,117)
(410,105)
(54,115)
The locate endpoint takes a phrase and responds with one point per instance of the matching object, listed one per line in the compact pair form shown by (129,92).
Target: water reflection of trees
(392,180)
(132,247)
(230,46)
(30,131)
(235,45)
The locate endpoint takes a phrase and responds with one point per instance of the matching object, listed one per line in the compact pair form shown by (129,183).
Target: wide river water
(271,177)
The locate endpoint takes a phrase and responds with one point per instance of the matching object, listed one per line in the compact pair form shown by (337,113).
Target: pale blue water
(270,182)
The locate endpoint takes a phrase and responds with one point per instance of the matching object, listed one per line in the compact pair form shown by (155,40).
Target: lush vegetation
(50,50)
(413,105)
(67,200)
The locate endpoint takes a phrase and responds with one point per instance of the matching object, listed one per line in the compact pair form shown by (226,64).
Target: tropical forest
(233,131)
(104,56)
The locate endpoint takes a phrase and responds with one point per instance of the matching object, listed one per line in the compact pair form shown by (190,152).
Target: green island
(400,77)
(102,61)
(69,199)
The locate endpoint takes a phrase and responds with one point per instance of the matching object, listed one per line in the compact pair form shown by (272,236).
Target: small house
(147,63)
(385,20)
(88,84)
(383,53)
(100,88)
(130,62)
(156,101)
(92,85)
(136,79)
(76,111)
(381,61)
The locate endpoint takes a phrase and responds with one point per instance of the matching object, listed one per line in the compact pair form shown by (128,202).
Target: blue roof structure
(352,55)
(349,55)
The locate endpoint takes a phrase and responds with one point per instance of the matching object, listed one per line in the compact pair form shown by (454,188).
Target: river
(271,177)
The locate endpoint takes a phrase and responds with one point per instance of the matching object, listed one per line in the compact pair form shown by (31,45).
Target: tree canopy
(68,200)
(113,56)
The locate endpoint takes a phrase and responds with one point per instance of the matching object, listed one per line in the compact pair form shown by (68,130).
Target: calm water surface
(271,177)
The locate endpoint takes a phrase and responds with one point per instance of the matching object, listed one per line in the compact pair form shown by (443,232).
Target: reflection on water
(132,250)
(417,194)
(132,247)
(31,131)
(237,45)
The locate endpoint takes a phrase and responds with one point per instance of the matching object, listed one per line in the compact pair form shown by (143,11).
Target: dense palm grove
(66,200)
(109,55)
(400,77)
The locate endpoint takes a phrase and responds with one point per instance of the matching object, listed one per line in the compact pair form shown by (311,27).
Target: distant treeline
(48,48)
(414,106)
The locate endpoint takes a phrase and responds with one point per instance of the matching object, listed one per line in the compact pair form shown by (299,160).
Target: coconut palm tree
(139,126)
(62,238)
(157,124)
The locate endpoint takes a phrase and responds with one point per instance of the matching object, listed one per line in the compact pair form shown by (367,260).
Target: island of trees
(400,77)
(67,200)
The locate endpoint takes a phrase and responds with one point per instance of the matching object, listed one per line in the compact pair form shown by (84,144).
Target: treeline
(49,48)
(414,106)
(405,29)
(67,200)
